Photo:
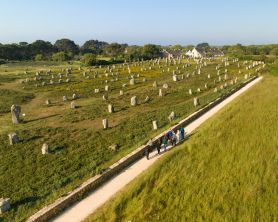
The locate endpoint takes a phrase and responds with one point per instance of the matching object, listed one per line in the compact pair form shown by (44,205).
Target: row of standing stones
(16,111)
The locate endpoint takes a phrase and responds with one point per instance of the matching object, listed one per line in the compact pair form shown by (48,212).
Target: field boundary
(52,210)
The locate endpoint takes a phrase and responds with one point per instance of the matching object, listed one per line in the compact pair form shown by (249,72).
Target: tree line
(91,51)
(66,49)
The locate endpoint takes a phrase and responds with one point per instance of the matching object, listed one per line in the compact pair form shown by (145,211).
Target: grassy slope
(227,171)
(78,144)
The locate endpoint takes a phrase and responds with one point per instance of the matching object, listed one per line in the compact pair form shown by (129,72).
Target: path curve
(88,205)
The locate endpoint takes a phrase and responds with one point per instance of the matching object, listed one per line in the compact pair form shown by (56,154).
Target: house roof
(209,51)
(174,53)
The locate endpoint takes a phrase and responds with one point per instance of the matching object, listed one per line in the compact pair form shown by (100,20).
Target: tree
(41,47)
(151,51)
(89,59)
(203,45)
(236,50)
(38,57)
(133,53)
(66,45)
(93,46)
(176,47)
(274,51)
(23,43)
(114,49)
(60,57)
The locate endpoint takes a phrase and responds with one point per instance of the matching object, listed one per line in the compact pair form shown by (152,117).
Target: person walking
(149,148)
(147,152)
(165,141)
(158,145)
(178,136)
(174,139)
(182,134)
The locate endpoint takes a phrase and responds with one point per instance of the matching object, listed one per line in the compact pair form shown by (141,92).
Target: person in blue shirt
(182,134)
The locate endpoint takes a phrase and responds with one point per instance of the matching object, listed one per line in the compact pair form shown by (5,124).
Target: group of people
(169,138)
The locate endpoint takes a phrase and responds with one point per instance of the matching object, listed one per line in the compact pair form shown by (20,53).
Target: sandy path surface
(88,205)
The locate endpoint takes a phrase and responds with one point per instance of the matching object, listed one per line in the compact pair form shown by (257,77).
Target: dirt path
(88,205)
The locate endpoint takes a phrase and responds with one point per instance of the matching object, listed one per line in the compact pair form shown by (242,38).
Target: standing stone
(96,90)
(45,149)
(208,76)
(110,108)
(133,101)
(15,110)
(147,99)
(155,84)
(65,98)
(196,102)
(198,90)
(160,94)
(48,102)
(104,97)
(121,92)
(74,96)
(114,147)
(4,205)
(132,81)
(172,116)
(155,127)
(165,86)
(175,78)
(106,88)
(215,90)
(190,92)
(73,105)
(13,138)
(105,123)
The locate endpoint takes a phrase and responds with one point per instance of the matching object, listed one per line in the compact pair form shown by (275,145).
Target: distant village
(197,52)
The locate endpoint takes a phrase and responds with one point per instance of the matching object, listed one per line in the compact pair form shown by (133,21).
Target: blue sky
(165,22)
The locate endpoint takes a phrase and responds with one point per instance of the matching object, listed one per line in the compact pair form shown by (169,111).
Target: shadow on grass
(57,149)
(28,200)
(41,118)
(32,138)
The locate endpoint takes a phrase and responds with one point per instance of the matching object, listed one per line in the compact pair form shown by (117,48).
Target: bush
(2,61)
(60,57)
(38,57)
(89,59)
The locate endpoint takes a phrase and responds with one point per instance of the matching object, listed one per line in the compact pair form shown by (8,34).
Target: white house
(196,53)
(202,52)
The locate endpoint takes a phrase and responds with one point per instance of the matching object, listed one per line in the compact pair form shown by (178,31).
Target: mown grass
(78,144)
(226,171)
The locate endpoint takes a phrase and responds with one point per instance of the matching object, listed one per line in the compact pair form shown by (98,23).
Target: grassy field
(226,171)
(79,147)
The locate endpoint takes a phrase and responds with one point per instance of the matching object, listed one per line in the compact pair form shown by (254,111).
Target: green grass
(78,144)
(9,97)
(226,171)
(273,69)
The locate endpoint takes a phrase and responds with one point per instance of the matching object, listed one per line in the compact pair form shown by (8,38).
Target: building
(204,53)
(172,54)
